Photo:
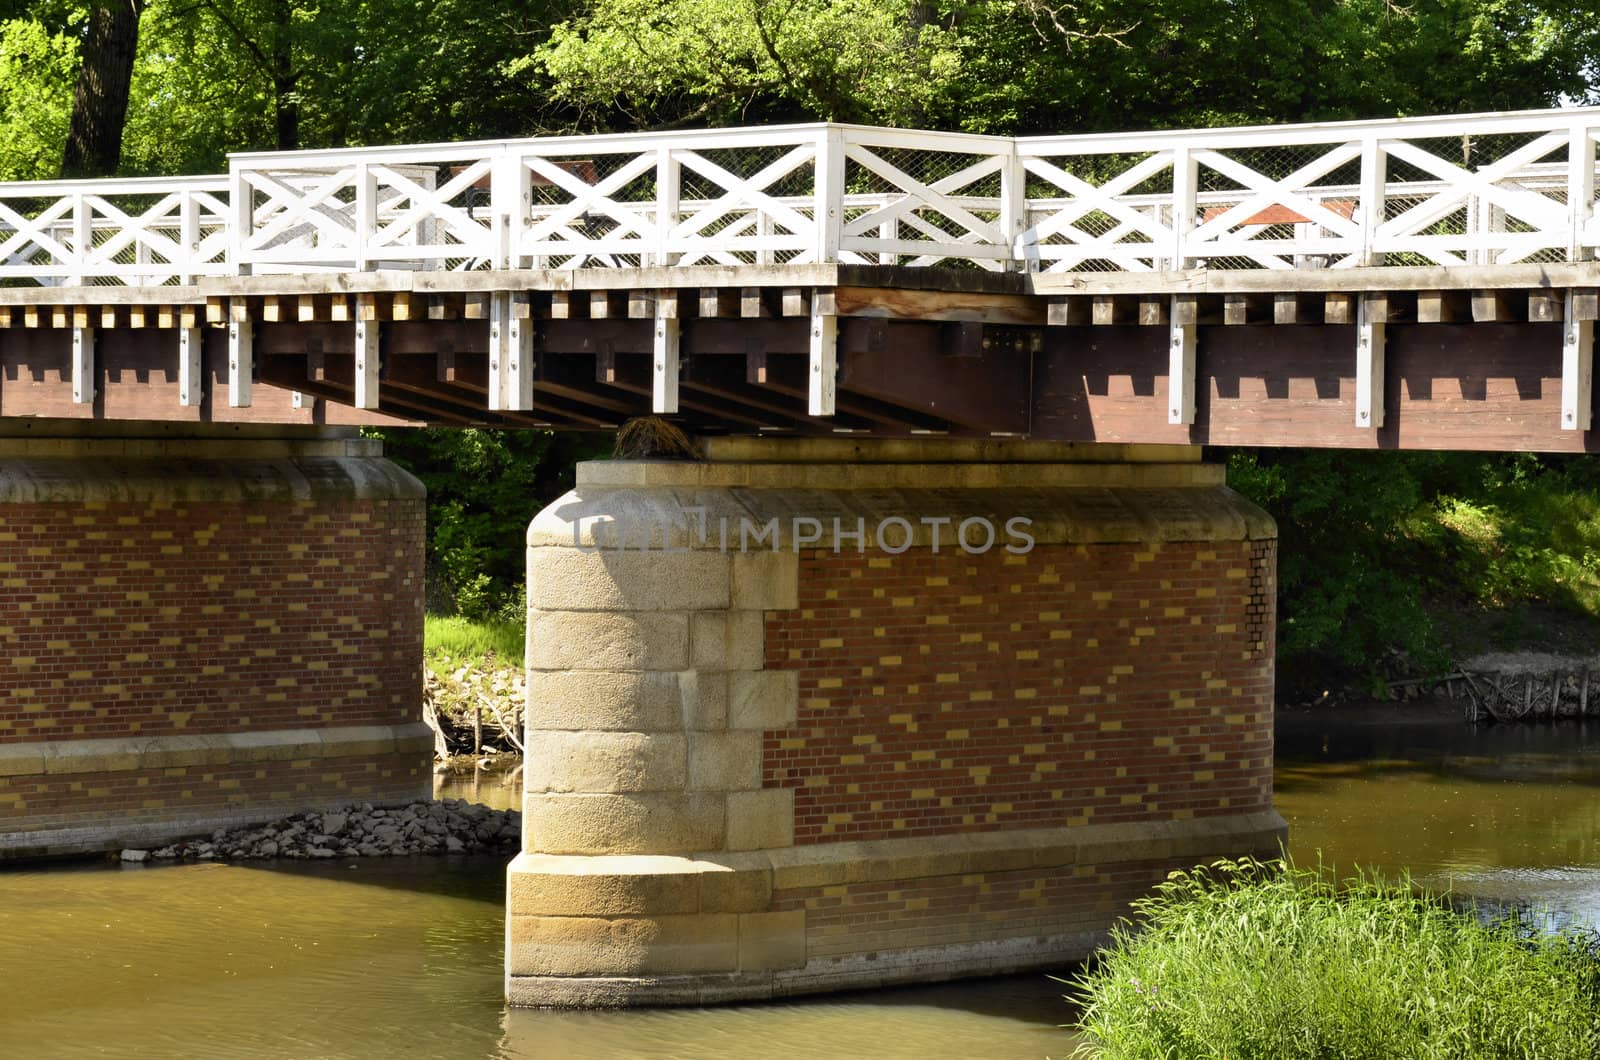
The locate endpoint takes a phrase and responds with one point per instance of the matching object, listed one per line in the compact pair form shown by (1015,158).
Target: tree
(37,66)
(1081,65)
(100,103)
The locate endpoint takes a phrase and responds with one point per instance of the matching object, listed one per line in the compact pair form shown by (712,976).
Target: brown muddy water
(393,958)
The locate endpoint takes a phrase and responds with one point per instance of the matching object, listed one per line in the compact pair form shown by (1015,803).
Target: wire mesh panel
(361,210)
(145,232)
(1476,199)
(1110,212)
(926,199)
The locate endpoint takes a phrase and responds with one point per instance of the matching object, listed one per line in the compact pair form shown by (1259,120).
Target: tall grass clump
(468,640)
(1250,959)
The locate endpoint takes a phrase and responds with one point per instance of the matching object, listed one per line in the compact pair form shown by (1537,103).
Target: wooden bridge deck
(1423,283)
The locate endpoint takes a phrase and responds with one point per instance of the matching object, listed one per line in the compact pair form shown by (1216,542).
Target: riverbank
(445,826)
(473,704)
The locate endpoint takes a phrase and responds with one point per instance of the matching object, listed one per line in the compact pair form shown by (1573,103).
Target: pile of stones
(448,826)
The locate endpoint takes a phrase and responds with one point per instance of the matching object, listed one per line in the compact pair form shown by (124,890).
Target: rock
(268,849)
(322,852)
(134,856)
(333,823)
(453,845)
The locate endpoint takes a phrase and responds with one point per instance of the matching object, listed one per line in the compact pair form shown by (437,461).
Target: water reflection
(396,958)
(1503,812)
(401,958)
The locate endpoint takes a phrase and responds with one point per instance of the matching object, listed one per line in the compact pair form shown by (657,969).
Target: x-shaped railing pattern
(1478,190)
(142,231)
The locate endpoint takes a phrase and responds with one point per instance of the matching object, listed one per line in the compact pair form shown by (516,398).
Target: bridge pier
(202,626)
(782,738)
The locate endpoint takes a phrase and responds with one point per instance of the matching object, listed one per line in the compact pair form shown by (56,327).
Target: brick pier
(202,626)
(847,754)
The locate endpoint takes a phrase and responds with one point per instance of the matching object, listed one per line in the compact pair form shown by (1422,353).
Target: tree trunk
(285,79)
(100,101)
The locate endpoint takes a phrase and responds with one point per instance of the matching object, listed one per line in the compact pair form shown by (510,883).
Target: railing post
(510,198)
(1185,181)
(1014,211)
(188,238)
(828,209)
(1369,211)
(366,217)
(82,240)
(1580,192)
(241,219)
(669,191)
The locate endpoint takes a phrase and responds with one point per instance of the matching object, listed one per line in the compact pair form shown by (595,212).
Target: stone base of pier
(202,627)
(814,715)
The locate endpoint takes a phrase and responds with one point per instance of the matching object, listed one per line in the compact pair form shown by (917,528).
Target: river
(394,958)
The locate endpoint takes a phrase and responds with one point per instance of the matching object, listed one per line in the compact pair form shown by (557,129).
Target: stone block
(772,941)
(630,823)
(735,889)
(21,759)
(628,701)
(557,885)
(763,699)
(570,579)
(600,640)
(558,760)
(766,581)
(599,946)
(724,761)
(728,640)
(705,700)
(761,820)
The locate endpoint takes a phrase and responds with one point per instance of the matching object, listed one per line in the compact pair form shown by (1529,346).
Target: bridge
(950,642)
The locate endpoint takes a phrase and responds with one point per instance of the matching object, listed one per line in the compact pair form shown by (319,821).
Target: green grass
(465,640)
(1260,960)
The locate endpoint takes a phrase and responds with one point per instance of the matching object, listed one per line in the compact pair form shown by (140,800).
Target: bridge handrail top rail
(1283,135)
(792,135)
(1290,135)
(113,185)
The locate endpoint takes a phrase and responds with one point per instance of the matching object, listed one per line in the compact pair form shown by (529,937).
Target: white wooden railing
(1475,190)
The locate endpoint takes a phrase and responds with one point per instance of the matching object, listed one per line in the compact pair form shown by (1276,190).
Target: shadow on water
(1009,1017)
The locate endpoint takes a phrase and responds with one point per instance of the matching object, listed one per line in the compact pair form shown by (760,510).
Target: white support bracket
(241,358)
(82,365)
(510,352)
(1370,324)
(822,391)
(191,386)
(368,362)
(664,356)
(1577,368)
(1181,360)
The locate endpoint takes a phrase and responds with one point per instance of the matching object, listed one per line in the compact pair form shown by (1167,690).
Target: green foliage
(463,640)
(38,65)
(217,76)
(1346,586)
(483,488)
(1250,959)
(1530,532)
(1042,66)
(1371,545)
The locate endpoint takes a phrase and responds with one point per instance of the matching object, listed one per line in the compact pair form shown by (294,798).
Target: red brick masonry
(944,693)
(208,617)
(187,642)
